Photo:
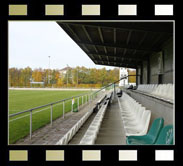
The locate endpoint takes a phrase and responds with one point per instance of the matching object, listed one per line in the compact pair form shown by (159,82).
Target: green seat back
(150,137)
(155,129)
(165,136)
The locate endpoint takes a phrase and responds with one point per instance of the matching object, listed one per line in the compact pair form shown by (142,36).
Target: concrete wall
(138,73)
(154,68)
(157,107)
(161,66)
(168,63)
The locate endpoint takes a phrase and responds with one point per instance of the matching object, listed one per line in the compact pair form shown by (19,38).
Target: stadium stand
(155,68)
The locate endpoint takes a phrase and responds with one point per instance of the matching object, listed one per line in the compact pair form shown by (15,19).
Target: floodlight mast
(49,71)
(67,74)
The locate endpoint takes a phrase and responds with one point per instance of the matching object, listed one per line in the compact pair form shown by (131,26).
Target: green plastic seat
(166,136)
(150,137)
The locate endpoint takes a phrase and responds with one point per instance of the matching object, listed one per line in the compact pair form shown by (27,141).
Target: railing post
(78,103)
(63,108)
(82,100)
(114,91)
(72,104)
(30,124)
(51,116)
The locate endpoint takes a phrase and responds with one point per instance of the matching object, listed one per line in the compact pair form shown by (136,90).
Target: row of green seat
(157,135)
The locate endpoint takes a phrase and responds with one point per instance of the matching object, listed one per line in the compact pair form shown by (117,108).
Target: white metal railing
(86,98)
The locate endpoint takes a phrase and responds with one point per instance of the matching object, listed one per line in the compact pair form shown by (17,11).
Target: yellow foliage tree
(37,75)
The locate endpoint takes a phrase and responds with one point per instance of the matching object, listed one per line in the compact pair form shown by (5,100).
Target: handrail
(114,82)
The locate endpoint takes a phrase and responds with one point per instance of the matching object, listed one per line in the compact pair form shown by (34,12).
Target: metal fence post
(30,124)
(78,103)
(63,108)
(51,116)
(72,105)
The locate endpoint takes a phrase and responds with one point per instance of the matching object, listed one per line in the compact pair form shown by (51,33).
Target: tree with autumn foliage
(73,77)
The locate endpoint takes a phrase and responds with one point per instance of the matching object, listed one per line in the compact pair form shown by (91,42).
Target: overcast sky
(31,42)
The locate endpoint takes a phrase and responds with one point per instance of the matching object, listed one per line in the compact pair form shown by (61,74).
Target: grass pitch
(20,100)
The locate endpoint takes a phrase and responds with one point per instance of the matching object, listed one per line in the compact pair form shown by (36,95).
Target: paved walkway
(112,130)
(50,135)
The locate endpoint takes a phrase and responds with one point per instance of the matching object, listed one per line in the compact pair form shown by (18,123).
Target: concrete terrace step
(77,138)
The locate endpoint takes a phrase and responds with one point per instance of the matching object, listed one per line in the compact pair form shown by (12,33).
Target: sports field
(20,100)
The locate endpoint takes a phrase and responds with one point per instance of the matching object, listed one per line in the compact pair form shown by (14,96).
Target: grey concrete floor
(112,131)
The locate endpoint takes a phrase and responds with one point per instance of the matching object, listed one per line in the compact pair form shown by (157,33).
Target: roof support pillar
(141,74)
(137,82)
(148,71)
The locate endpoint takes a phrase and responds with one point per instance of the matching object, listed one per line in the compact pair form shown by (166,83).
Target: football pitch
(21,100)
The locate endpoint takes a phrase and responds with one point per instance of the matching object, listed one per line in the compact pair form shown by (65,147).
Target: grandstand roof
(120,44)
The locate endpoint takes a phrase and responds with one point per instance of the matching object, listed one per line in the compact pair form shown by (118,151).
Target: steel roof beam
(119,57)
(89,38)
(72,31)
(119,61)
(118,46)
(122,27)
(117,64)
(102,39)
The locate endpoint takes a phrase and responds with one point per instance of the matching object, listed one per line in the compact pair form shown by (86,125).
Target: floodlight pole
(77,76)
(67,75)
(49,71)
